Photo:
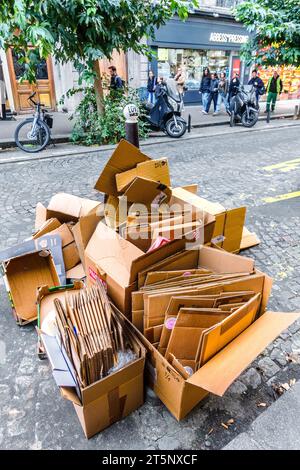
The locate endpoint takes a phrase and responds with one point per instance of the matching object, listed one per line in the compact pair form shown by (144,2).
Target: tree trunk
(98,88)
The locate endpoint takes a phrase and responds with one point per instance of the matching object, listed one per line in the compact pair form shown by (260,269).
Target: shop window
(290,77)
(192,62)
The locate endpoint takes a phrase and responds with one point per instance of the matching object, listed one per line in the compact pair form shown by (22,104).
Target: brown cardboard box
(22,276)
(125,157)
(116,261)
(180,395)
(229,223)
(109,399)
(153,170)
(84,229)
(65,208)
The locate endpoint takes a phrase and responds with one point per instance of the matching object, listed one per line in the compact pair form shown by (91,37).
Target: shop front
(195,44)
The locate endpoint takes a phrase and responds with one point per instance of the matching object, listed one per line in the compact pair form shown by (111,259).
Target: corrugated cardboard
(112,398)
(66,208)
(46,243)
(147,192)
(84,229)
(116,261)
(249,239)
(229,223)
(23,275)
(125,157)
(71,256)
(153,170)
(45,297)
(76,273)
(180,395)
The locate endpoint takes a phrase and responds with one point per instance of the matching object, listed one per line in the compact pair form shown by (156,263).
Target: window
(192,62)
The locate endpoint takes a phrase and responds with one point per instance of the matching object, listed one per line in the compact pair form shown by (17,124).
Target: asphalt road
(260,170)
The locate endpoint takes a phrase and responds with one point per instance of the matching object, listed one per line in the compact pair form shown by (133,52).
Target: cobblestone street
(253,169)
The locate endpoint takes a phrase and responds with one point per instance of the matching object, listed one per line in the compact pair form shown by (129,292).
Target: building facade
(210,37)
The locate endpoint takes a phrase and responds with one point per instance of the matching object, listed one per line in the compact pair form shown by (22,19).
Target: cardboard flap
(145,191)
(125,157)
(40,215)
(70,205)
(69,393)
(219,373)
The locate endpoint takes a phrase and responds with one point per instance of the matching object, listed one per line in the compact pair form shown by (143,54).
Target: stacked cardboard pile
(97,360)
(167,261)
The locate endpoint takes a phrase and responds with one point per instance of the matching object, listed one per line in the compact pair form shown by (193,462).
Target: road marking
(284,166)
(282,197)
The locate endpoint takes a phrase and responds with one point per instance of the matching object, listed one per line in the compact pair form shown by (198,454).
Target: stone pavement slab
(278,428)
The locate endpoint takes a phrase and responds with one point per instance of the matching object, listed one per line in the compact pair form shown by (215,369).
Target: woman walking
(213,95)
(205,88)
(223,87)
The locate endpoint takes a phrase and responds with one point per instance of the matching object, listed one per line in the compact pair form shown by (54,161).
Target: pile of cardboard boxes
(179,292)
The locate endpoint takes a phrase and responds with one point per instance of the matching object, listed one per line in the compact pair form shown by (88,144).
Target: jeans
(212,97)
(222,99)
(151,97)
(205,97)
(271,100)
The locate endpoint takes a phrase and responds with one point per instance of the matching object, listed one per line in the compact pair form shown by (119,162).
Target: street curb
(65,138)
(158,140)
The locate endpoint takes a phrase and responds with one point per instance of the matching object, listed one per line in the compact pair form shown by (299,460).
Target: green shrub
(91,128)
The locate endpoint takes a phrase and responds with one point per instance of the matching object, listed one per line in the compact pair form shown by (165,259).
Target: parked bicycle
(34,134)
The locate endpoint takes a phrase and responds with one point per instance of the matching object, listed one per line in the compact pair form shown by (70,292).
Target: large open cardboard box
(22,276)
(108,400)
(117,262)
(180,396)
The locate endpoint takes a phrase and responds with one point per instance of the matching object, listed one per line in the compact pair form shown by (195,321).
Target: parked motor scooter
(242,107)
(165,114)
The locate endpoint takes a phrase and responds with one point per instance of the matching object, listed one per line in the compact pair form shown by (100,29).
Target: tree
(274,27)
(82,31)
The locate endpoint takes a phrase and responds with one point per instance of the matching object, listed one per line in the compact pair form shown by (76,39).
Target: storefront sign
(228,38)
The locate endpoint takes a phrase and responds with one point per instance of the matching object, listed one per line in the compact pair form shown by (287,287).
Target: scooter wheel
(174,130)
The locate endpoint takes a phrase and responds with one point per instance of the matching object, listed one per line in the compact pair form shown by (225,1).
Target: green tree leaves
(275,31)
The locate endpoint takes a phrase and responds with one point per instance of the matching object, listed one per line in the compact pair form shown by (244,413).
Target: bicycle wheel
(32,141)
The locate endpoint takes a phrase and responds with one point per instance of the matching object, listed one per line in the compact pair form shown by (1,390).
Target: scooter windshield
(172,89)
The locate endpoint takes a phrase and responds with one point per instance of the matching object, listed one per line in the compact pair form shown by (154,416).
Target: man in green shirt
(274,88)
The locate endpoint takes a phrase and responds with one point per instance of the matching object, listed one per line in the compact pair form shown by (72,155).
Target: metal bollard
(131,114)
(189,123)
(296,112)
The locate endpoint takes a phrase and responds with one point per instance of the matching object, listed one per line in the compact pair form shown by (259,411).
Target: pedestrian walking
(116,82)
(213,95)
(151,85)
(223,89)
(180,80)
(274,88)
(258,84)
(205,88)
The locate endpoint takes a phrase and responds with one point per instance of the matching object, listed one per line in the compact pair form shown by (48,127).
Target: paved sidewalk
(278,428)
(62,126)
(11,155)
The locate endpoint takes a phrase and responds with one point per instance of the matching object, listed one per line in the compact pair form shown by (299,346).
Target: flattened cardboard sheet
(220,371)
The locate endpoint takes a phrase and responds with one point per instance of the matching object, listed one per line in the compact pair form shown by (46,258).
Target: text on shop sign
(225,37)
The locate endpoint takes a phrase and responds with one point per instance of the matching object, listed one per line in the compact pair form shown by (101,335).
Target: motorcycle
(165,114)
(243,107)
